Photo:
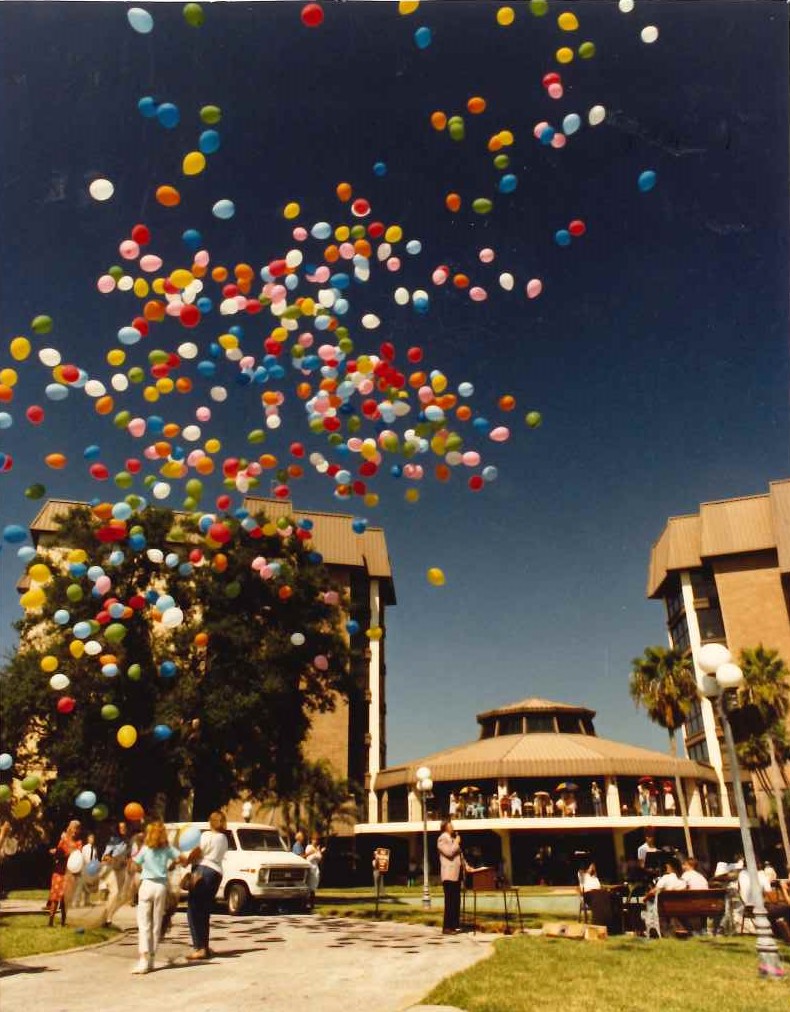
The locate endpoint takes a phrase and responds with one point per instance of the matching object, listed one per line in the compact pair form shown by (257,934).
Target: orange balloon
(244,272)
(57,461)
(303,391)
(220,562)
(183,384)
(219,274)
(6,393)
(201,639)
(267,460)
(495,143)
(331,254)
(104,405)
(461,281)
(103,511)
(476,105)
(344,192)
(284,593)
(507,402)
(154,311)
(168,196)
(438,120)
(204,466)
(134,811)
(171,430)
(363,247)
(464,413)
(442,472)
(453,202)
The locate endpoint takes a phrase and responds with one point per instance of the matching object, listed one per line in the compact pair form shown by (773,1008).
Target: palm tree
(766,687)
(663,682)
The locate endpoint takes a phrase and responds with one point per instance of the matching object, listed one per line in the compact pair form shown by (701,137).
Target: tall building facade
(724,576)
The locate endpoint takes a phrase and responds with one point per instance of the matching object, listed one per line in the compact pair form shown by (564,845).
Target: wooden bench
(700,903)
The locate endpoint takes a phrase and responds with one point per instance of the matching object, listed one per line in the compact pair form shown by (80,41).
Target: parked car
(258,867)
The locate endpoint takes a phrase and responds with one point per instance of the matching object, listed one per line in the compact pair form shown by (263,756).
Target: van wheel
(238,896)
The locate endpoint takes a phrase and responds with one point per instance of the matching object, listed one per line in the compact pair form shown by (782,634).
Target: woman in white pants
(153,860)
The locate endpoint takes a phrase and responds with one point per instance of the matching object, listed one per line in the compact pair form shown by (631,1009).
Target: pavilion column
(618,839)
(414,807)
(612,797)
(507,854)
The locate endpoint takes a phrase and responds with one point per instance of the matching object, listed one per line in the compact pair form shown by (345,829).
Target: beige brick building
(724,576)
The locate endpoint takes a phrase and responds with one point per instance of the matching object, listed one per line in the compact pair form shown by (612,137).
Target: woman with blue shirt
(154,859)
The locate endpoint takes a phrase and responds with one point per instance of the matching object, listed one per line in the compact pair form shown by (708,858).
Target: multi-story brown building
(352,736)
(724,576)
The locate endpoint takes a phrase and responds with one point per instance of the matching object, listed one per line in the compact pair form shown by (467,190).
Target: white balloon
(626,6)
(172,618)
(49,357)
(370,321)
(126,283)
(507,281)
(161,490)
(59,681)
(401,296)
(649,34)
(191,433)
(93,649)
(218,394)
(155,555)
(95,388)
(101,189)
(75,862)
(596,115)
(187,350)
(119,382)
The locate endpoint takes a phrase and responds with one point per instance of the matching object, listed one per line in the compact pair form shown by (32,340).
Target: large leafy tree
(663,683)
(766,687)
(259,650)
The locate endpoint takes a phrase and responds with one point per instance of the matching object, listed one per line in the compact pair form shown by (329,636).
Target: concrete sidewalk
(274,963)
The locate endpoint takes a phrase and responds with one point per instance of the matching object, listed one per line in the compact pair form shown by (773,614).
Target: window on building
(711,624)
(587,726)
(679,633)
(540,723)
(511,723)
(699,753)
(694,721)
(703,585)
(674,602)
(569,723)
(487,730)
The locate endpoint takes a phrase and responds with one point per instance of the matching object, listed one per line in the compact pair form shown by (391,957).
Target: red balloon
(66,704)
(552,78)
(297,450)
(475,483)
(195,556)
(282,492)
(414,354)
(140,324)
(312,15)
(387,351)
(360,208)
(138,602)
(376,229)
(189,315)
(223,503)
(133,465)
(577,227)
(277,268)
(230,468)
(70,373)
(219,533)
(35,414)
(141,235)
(99,472)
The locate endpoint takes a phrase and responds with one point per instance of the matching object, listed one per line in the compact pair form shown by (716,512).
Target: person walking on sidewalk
(451,866)
(113,879)
(153,860)
(62,883)
(206,861)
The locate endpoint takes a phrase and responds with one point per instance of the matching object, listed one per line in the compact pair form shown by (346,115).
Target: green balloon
(189,504)
(193,15)
(110,712)
(41,324)
(482,205)
(74,592)
(31,783)
(134,671)
(116,272)
(233,589)
(37,491)
(136,374)
(157,356)
(5,792)
(122,419)
(457,130)
(95,627)
(538,7)
(258,435)
(587,50)
(534,418)
(501,161)
(194,488)
(211,114)
(115,632)
(123,479)
(100,812)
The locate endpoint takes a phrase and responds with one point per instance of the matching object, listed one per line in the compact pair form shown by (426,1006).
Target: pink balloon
(174,308)
(103,584)
(440,275)
(471,458)
(538,129)
(105,284)
(393,264)
(194,457)
(150,263)
(202,258)
(320,662)
(129,249)
(366,387)
(559,141)
(534,288)
(300,234)
(425,394)
(499,435)
(203,414)
(332,598)
(347,250)
(477,294)
(136,427)
(555,90)
(322,274)
(150,453)
(305,340)
(486,256)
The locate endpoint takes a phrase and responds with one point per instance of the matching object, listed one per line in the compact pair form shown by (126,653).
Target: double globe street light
(424,787)
(721,675)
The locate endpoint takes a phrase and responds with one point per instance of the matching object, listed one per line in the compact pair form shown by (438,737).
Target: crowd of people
(471,803)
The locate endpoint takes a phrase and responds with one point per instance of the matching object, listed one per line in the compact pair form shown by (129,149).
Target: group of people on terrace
(472,802)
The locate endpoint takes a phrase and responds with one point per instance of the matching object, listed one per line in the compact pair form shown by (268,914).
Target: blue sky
(657,352)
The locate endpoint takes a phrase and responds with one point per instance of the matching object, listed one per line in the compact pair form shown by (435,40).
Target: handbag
(189,881)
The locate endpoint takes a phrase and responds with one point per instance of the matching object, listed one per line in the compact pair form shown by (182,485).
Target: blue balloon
(192,238)
(562,237)
(359,525)
(56,392)
(167,669)
(140,20)
(61,617)
(380,169)
(189,839)
(82,630)
(137,542)
(6,420)
(85,799)
(352,627)
(26,553)
(162,732)
(571,123)
(147,107)
(423,37)
(646,181)
(93,868)
(168,115)
(91,452)
(129,335)
(208,142)
(507,184)
(223,209)
(14,534)
(6,762)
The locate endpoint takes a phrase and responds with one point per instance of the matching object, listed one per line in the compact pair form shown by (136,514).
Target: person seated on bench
(692,876)
(777,901)
(670,881)
(588,879)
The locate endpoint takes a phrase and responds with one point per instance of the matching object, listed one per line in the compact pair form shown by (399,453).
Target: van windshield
(259,839)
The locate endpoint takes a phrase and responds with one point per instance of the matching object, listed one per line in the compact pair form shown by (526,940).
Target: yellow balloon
(141,288)
(212,446)
(564,55)
(439,383)
(369,450)
(412,495)
(116,357)
(342,232)
(227,341)
(193,163)
(151,394)
(40,573)
(371,499)
(408,6)
(33,598)
(19,348)
(127,736)
(165,385)
(435,577)
(22,809)
(568,22)
(181,277)
(76,649)
(158,285)
(394,233)
(8,377)
(505,16)
(49,663)
(292,210)
(77,555)
(374,633)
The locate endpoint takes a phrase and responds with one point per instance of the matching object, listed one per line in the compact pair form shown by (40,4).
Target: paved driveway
(278,963)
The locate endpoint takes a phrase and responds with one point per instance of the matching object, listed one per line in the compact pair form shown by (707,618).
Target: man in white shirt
(648,847)
(693,878)
(670,881)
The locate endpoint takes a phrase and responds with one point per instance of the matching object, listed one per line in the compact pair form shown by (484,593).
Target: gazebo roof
(543,755)
(534,704)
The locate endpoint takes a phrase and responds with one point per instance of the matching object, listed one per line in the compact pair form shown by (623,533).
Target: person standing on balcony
(597,798)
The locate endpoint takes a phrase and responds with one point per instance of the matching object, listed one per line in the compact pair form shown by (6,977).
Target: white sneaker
(141,966)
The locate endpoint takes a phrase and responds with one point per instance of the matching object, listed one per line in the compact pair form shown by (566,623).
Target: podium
(486,880)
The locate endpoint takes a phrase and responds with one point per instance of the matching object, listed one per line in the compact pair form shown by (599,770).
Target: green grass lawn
(618,975)
(31,895)
(30,934)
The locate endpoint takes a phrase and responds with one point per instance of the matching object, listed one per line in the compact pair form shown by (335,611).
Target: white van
(258,866)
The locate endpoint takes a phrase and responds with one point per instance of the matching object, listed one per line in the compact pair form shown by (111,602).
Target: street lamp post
(424,787)
(720,676)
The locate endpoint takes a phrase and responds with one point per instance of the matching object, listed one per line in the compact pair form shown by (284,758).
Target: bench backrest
(692,902)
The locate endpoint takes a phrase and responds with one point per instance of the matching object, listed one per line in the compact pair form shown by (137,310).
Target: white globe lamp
(729,676)
(712,656)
